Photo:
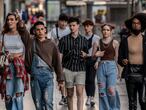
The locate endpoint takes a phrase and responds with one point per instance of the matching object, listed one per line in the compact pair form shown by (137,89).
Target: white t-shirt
(95,39)
(61,32)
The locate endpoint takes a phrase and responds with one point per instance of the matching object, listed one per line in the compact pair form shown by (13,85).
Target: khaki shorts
(74,78)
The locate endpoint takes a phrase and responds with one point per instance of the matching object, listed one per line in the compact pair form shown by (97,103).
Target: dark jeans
(134,85)
(90,78)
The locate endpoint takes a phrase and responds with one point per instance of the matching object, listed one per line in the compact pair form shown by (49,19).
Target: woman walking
(14,78)
(107,69)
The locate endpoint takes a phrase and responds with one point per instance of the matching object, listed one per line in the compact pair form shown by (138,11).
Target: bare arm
(95,47)
(61,56)
(116,46)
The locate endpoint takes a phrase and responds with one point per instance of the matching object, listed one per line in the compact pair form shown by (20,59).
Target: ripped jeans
(107,77)
(42,86)
(14,92)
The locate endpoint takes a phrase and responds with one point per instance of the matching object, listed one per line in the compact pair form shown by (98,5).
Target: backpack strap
(57,31)
(90,42)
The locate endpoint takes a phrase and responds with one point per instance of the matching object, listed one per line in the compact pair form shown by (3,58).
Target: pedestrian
(14,78)
(73,49)
(107,69)
(90,70)
(42,56)
(124,32)
(61,28)
(132,52)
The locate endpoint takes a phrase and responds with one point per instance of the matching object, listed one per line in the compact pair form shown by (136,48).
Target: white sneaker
(61,102)
(88,101)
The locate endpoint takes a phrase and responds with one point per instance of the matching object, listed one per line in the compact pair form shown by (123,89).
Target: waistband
(107,61)
(134,65)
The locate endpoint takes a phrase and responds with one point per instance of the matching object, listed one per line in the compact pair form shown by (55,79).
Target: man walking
(42,55)
(73,48)
(132,52)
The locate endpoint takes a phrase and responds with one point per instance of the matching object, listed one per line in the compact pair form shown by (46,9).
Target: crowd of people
(77,60)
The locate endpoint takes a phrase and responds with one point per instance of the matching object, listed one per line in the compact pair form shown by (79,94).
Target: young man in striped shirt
(74,49)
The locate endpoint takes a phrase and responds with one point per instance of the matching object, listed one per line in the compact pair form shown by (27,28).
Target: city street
(28,104)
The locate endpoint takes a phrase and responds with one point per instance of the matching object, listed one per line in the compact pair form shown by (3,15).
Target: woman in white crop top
(15,78)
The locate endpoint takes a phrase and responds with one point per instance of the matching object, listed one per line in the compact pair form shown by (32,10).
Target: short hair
(40,14)
(88,22)
(63,17)
(74,19)
(38,23)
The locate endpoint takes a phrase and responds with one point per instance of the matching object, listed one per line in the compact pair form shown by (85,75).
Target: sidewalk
(28,104)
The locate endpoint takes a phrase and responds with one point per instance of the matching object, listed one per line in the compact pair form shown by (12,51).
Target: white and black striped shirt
(71,49)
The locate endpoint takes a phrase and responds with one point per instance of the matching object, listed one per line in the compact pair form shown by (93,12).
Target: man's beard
(135,31)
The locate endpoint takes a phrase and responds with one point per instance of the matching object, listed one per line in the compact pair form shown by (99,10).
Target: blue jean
(13,86)
(106,76)
(42,87)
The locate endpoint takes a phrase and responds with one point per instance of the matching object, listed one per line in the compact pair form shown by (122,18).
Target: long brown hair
(5,27)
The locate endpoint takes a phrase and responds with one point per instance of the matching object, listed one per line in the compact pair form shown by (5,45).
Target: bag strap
(57,31)
(2,48)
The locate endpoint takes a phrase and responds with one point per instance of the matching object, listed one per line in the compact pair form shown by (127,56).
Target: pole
(46,8)
(128,9)
(89,9)
(133,8)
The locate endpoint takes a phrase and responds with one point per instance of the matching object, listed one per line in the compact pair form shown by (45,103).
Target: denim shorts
(74,78)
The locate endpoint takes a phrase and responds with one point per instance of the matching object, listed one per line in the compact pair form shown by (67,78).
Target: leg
(90,80)
(87,84)
(92,85)
(70,93)
(140,93)
(64,94)
(101,78)
(87,81)
(113,97)
(132,95)
(36,94)
(69,83)
(19,90)
(8,102)
(19,101)
(48,95)
(79,93)
(9,90)
(80,85)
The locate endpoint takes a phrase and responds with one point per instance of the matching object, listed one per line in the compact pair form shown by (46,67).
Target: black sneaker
(92,103)
(65,100)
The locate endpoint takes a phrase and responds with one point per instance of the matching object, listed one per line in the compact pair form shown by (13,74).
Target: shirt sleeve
(96,39)
(57,64)
(53,33)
